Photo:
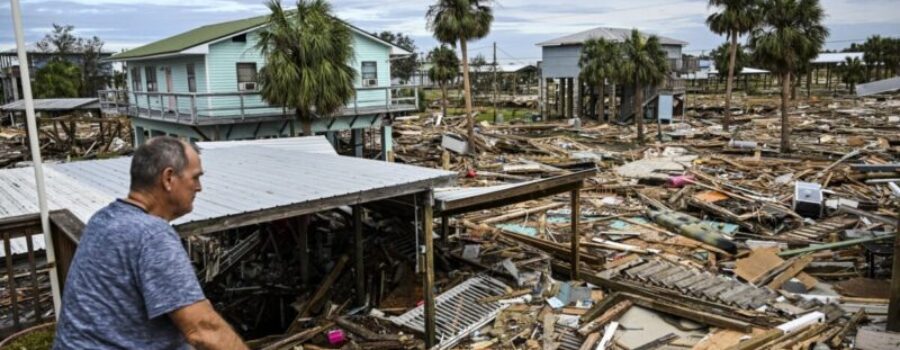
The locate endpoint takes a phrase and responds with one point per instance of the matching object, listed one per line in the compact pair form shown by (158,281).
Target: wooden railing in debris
(25,297)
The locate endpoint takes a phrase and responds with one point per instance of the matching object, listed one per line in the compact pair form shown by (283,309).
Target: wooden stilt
(576,238)
(445,231)
(303,223)
(893,323)
(358,256)
(430,312)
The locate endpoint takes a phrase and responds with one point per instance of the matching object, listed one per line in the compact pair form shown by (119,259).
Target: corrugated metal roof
(448,194)
(308,144)
(878,87)
(237,180)
(837,57)
(54,104)
(614,34)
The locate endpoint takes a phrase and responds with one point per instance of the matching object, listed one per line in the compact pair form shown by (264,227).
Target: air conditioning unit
(247,86)
(370,82)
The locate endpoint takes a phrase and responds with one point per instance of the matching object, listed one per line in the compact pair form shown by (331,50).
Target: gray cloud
(518,25)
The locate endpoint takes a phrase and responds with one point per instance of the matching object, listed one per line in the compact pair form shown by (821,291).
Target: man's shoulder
(125,220)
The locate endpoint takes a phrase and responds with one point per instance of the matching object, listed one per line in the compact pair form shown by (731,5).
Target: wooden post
(430,312)
(893,323)
(576,214)
(445,230)
(358,256)
(303,222)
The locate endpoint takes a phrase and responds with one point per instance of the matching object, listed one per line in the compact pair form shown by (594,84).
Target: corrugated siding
(224,56)
(561,61)
(179,79)
(223,59)
(238,180)
(366,49)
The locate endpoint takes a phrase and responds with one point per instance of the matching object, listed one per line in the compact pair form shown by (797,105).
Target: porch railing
(25,296)
(194,108)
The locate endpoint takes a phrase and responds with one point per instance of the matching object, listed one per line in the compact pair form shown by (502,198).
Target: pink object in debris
(680,181)
(336,337)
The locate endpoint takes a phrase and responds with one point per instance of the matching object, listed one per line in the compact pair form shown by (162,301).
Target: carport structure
(247,184)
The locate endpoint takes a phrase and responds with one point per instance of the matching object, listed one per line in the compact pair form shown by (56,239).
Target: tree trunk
(639,112)
(305,122)
(470,119)
(601,104)
(612,103)
(732,52)
(794,81)
(785,121)
(443,99)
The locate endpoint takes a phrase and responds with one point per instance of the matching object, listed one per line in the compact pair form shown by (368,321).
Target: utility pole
(34,145)
(495,82)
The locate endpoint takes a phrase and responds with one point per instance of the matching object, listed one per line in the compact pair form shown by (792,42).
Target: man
(131,284)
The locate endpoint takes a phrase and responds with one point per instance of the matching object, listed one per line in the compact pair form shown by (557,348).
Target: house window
(239,38)
(136,79)
(150,72)
(192,78)
(370,73)
(246,76)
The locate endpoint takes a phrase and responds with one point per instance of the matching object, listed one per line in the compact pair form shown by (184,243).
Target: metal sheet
(878,87)
(238,180)
(54,104)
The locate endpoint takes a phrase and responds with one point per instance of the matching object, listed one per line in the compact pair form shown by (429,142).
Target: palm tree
(852,72)
(721,58)
(874,53)
(791,34)
(444,68)
(735,18)
(461,20)
(644,65)
(599,62)
(307,53)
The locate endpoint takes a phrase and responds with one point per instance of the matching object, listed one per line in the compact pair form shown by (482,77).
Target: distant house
(559,68)
(203,85)
(10,74)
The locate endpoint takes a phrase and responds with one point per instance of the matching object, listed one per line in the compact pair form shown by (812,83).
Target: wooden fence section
(25,296)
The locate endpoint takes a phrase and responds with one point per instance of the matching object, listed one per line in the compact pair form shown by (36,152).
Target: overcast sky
(518,25)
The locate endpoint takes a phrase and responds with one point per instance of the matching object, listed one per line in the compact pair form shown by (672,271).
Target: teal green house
(202,85)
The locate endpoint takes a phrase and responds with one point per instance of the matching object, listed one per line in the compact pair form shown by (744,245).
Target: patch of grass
(37,340)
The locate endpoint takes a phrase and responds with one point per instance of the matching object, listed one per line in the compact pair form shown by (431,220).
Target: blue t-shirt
(129,272)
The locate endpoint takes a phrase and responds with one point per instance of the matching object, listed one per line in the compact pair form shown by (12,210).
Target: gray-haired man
(131,284)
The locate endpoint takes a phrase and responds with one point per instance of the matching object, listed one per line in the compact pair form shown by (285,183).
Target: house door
(170,88)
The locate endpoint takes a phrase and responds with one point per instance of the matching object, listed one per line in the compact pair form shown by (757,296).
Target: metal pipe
(36,153)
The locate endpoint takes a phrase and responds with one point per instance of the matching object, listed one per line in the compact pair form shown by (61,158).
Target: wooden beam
(430,312)
(358,256)
(309,207)
(323,290)
(576,238)
(893,322)
(516,194)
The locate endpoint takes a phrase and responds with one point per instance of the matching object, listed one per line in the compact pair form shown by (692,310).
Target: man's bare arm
(204,328)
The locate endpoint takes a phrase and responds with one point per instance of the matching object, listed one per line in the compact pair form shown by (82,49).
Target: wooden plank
(287,211)
(13,292)
(873,340)
(546,187)
(358,256)
(576,238)
(320,293)
(791,271)
(430,311)
(611,314)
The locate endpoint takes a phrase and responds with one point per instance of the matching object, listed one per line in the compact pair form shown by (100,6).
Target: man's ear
(167,177)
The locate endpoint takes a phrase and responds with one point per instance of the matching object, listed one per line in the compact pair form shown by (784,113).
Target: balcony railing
(206,108)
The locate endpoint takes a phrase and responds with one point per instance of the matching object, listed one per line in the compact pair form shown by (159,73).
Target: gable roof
(613,34)
(213,32)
